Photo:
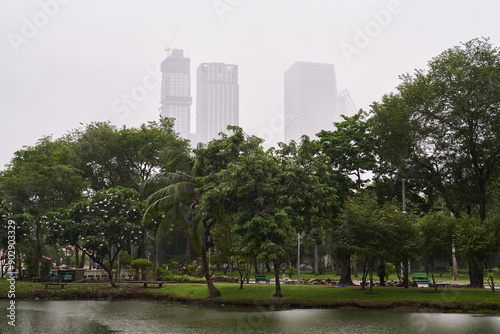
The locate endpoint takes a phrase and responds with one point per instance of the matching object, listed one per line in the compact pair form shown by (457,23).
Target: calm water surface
(96,317)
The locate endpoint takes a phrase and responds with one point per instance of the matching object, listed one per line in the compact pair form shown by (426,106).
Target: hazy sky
(66,62)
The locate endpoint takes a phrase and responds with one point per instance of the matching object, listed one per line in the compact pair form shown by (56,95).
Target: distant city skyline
(311,99)
(80,62)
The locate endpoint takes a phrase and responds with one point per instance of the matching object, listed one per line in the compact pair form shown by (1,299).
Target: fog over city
(72,62)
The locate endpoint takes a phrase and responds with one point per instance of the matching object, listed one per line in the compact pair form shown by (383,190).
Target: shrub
(143,265)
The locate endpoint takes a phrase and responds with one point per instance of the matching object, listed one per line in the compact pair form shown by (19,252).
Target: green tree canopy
(442,126)
(102,225)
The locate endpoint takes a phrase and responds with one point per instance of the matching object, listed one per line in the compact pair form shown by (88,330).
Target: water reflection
(79,317)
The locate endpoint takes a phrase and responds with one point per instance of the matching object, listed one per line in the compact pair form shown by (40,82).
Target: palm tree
(173,195)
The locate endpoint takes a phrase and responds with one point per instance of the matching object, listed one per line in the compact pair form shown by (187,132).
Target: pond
(93,317)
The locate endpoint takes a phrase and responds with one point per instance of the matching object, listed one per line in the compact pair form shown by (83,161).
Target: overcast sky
(66,62)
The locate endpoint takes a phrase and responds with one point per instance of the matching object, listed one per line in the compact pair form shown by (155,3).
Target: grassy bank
(463,275)
(413,299)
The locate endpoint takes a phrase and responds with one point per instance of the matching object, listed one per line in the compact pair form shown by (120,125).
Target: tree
(98,154)
(38,180)
(477,241)
(101,226)
(256,200)
(310,186)
(361,232)
(443,125)
(436,235)
(174,194)
(210,161)
(144,148)
(401,237)
(126,157)
(351,148)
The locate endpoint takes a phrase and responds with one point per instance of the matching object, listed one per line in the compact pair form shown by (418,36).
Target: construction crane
(167,46)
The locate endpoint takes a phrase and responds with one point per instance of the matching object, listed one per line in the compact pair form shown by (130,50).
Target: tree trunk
(188,245)
(381,269)
(38,248)
(482,199)
(110,275)
(77,257)
(156,258)
(433,280)
(405,275)
(82,261)
(365,273)
(141,251)
(371,276)
(277,279)
(316,273)
(345,271)
(212,290)
(355,265)
(256,266)
(268,267)
(476,274)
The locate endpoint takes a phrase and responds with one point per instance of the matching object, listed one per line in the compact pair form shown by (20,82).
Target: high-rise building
(176,91)
(310,99)
(345,106)
(217,99)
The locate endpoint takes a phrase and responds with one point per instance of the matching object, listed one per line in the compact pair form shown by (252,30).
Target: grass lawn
(330,293)
(463,275)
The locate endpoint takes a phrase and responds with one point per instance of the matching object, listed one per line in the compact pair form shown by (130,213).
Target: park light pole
(298,257)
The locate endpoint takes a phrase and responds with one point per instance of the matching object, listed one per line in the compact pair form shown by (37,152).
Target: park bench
(35,279)
(259,278)
(160,284)
(421,278)
(54,283)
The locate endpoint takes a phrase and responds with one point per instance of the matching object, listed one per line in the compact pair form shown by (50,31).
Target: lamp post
(298,258)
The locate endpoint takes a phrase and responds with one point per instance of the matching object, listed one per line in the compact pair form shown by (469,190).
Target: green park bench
(421,278)
(54,283)
(145,284)
(259,278)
